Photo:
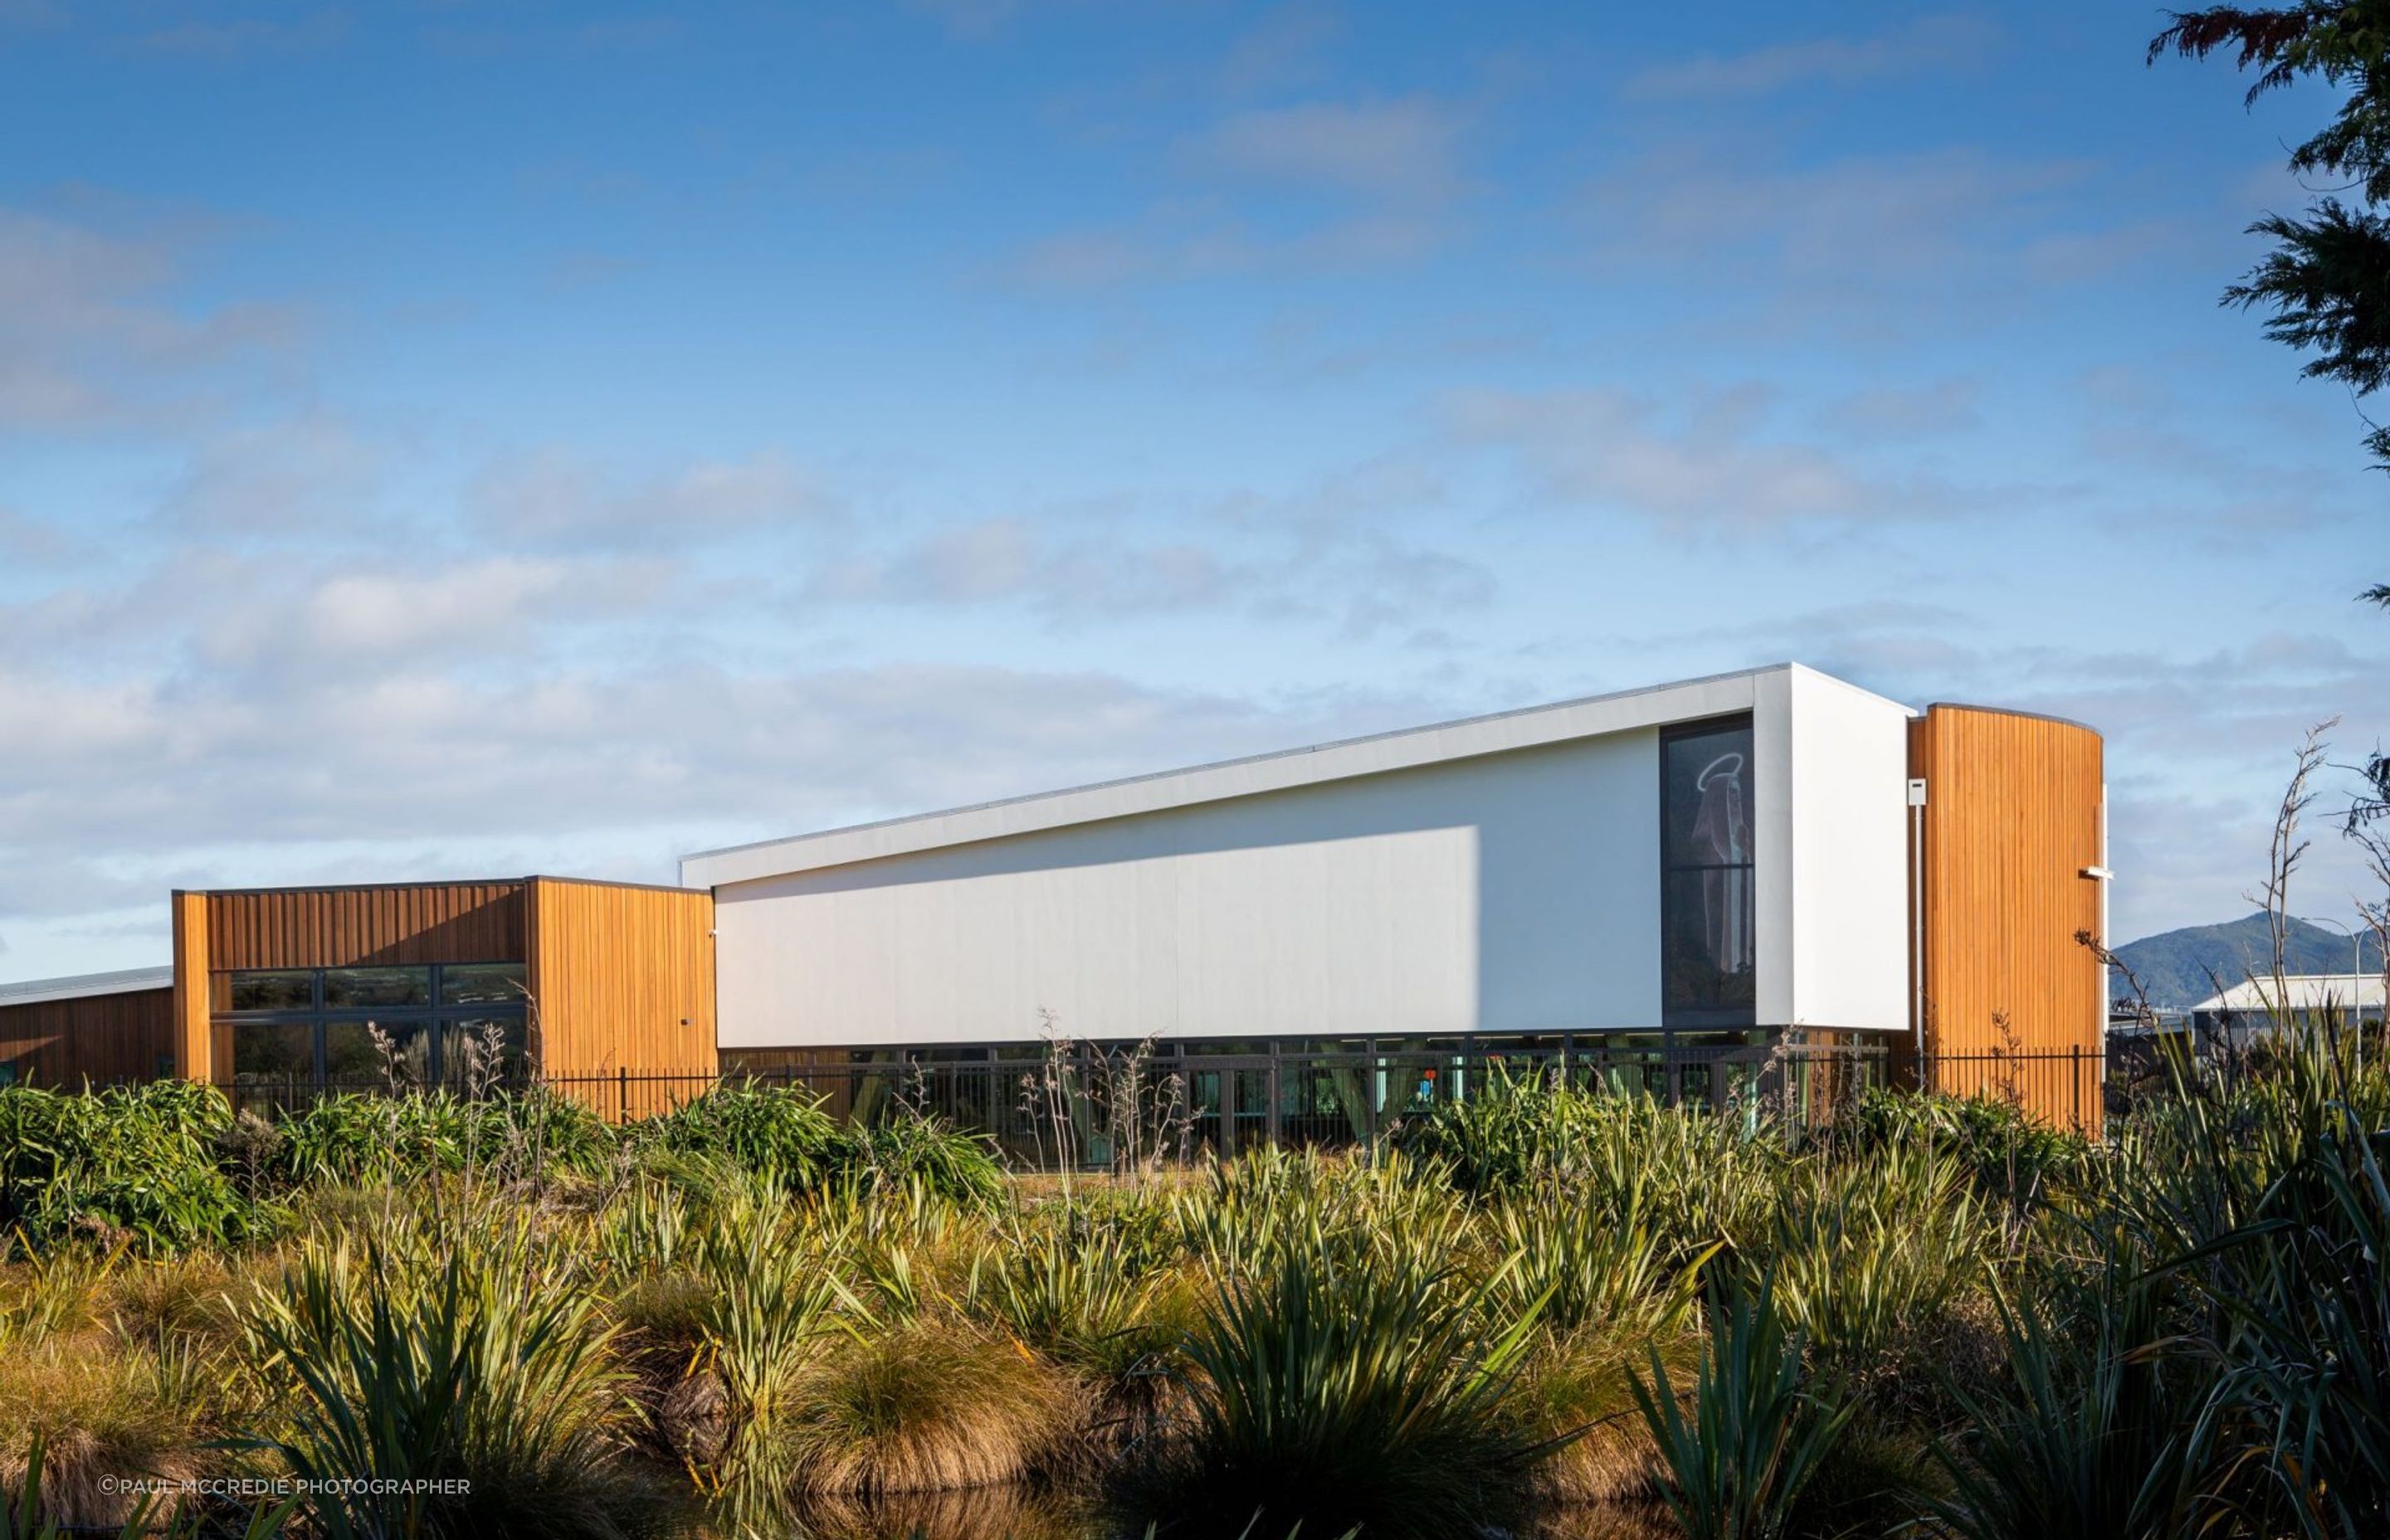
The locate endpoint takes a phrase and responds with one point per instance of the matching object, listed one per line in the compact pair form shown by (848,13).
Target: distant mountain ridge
(2175,966)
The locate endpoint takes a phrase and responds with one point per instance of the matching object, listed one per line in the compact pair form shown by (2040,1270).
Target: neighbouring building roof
(2300,992)
(1405,748)
(34,992)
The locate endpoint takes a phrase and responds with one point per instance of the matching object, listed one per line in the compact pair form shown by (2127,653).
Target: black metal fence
(1097,1108)
(1085,1105)
(2067,1089)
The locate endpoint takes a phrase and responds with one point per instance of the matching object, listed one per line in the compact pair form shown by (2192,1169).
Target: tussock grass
(100,1408)
(922,1409)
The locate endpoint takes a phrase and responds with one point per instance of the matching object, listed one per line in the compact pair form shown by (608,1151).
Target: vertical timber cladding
(193,1039)
(2011,821)
(395,924)
(99,1038)
(623,978)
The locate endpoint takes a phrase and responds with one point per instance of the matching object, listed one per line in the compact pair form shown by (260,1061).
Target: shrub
(1339,1393)
(1082,1292)
(2014,1158)
(352,1137)
(1591,1268)
(1756,1436)
(2107,1441)
(1866,1258)
(778,1134)
(919,1149)
(771,1299)
(141,1161)
(456,1355)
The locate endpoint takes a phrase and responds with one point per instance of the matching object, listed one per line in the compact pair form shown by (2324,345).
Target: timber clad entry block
(620,977)
(2011,830)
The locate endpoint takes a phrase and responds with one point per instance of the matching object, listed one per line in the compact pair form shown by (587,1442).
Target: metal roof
(34,992)
(2301,992)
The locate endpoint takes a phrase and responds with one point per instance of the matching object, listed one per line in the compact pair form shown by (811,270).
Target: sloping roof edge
(1408,747)
(34,992)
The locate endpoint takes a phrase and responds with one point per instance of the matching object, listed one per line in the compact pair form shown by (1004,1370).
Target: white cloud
(247,37)
(1399,150)
(306,475)
(1924,42)
(1897,413)
(559,498)
(1699,467)
(91,337)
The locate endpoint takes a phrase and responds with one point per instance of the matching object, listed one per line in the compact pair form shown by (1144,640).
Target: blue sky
(458,439)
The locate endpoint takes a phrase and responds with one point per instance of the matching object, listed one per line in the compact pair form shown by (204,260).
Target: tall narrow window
(1707,953)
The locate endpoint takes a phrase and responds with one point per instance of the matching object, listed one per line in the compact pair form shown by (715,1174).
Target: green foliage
(919,1151)
(1335,1392)
(1861,1253)
(141,1160)
(460,1380)
(1756,1436)
(2094,1440)
(2015,1160)
(1591,1268)
(1078,1291)
(2327,281)
(772,1298)
(349,1137)
(779,1134)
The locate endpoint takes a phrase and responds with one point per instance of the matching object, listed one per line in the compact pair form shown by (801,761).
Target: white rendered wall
(1516,892)
(1847,931)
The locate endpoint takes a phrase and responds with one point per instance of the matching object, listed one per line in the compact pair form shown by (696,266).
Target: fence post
(2077,1065)
(623,1093)
(1277,1134)
(1369,1078)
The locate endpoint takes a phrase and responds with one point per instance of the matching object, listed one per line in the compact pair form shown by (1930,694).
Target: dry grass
(924,1408)
(1581,1386)
(101,1408)
(189,1295)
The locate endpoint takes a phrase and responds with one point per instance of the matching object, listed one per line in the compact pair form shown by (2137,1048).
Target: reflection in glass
(275,1051)
(353,1060)
(279,990)
(353,988)
(484,1052)
(482,983)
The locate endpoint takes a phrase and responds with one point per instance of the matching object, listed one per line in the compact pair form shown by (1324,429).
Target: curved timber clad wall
(2012,820)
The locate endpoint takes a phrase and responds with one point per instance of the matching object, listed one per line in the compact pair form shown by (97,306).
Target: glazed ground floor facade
(1105,1099)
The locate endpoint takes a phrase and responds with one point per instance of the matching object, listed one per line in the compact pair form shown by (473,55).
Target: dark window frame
(437,1016)
(1674,1017)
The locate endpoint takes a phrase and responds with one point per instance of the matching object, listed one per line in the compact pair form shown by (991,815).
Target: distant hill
(2174,967)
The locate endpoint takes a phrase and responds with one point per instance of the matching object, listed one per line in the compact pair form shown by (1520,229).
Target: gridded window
(1708,952)
(365,1028)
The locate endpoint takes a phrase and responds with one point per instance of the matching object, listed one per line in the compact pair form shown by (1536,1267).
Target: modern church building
(1758,858)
